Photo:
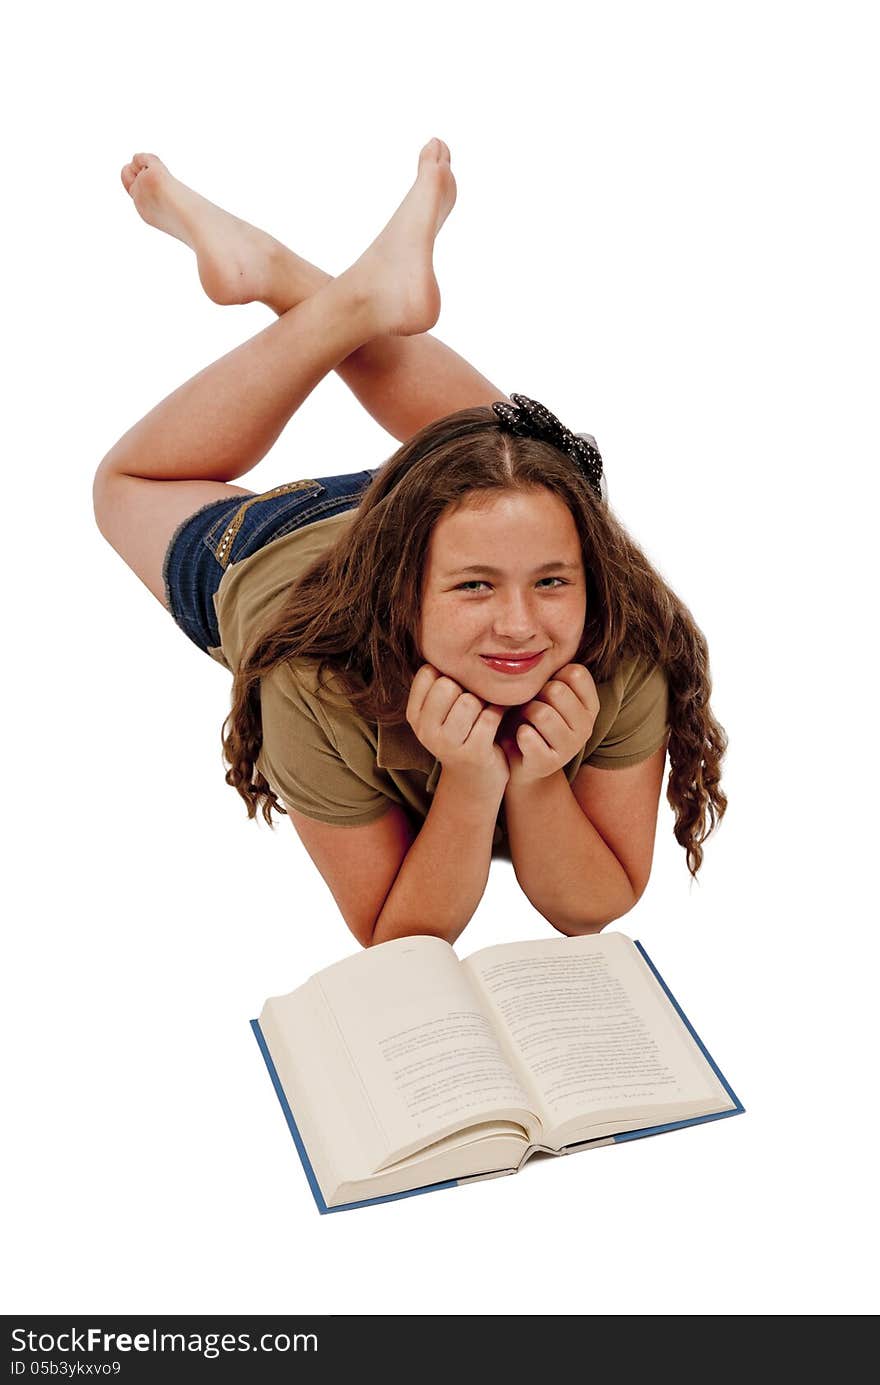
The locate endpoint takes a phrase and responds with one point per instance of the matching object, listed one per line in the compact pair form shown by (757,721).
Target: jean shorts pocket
(320,510)
(259,514)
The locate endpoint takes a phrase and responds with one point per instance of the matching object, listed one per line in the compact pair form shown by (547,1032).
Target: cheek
(441,627)
(572,622)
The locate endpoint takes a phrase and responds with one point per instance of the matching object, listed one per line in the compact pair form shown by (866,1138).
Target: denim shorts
(224,532)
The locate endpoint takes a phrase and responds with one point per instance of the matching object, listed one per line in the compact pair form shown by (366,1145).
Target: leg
(403,382)
(219,424)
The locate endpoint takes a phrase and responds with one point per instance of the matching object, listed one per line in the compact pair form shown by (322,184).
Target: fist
(544,734)
(459,730)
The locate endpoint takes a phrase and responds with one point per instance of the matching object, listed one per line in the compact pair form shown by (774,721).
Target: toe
(140,161)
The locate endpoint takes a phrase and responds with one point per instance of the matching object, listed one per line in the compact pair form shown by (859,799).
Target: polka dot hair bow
(532,420)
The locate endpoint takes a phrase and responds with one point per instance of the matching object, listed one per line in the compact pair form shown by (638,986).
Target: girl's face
(504,576)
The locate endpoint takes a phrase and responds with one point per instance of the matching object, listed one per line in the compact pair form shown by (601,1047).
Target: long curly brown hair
(356,610)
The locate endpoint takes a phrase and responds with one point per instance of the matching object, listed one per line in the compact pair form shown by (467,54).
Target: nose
(514,619)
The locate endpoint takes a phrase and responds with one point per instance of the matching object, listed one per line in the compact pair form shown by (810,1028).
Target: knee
(105,496)
(99,495)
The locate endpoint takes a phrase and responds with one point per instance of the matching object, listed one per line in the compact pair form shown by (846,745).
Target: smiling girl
(459,652)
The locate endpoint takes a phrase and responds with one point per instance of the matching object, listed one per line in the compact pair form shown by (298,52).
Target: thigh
(139,518)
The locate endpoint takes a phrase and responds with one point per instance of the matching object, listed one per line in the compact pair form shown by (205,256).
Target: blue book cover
(736,1110)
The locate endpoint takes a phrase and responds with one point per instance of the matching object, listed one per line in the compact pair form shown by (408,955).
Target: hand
(459,729)
(544,734)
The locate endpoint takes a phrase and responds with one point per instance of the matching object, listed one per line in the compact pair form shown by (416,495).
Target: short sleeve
(641,724)
(301,759)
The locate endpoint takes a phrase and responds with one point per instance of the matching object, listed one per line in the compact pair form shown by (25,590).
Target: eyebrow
(496,571)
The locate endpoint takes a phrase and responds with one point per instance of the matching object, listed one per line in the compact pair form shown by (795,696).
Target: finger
(441,698)
(486,724)
(462,715)
(533,746)
(511,750)
(421,685)
(547,723)
(563,698)
(580,680)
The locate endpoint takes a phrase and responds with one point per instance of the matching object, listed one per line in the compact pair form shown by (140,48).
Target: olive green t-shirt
(326,762)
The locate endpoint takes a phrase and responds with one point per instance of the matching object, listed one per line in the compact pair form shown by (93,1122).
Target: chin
(506,690)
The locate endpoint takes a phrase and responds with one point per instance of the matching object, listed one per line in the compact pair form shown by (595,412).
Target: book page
(594,1030)
(421,1039)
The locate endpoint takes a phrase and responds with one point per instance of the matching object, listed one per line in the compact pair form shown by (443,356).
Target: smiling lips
(512,663)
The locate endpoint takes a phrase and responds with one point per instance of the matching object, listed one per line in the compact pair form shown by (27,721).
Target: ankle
(290,280)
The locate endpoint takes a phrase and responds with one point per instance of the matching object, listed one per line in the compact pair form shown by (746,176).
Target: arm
(443,876)
(390,882)
(582,854)
(561,862)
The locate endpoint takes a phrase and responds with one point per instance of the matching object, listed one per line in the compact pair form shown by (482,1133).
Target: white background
(666,230)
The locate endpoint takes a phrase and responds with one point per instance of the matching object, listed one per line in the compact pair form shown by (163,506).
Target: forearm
(560,860)
(444,873)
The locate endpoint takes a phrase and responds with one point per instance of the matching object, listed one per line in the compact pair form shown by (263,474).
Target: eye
(477,583)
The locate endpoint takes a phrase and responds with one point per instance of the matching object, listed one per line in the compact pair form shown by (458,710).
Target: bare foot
(397,268)
(238,263)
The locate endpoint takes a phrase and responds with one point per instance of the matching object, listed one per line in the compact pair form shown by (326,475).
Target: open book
(408,1069)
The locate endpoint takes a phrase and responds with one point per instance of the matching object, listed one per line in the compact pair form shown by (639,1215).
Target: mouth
(512,663)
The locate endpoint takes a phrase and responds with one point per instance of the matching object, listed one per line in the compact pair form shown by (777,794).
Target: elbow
(362,927)
(578,925)
(367,931)
(388,929)
(579,928)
